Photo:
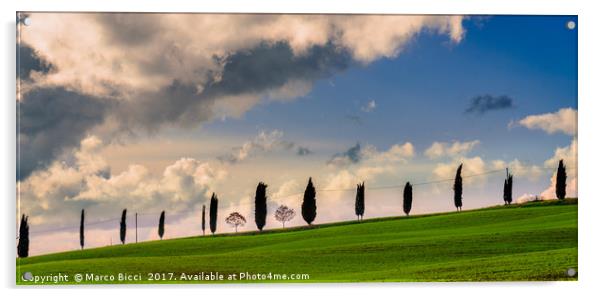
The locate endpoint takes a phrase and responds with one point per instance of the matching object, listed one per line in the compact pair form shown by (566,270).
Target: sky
(155,112)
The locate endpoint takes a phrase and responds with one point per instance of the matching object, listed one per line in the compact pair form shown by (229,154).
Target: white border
(589,134)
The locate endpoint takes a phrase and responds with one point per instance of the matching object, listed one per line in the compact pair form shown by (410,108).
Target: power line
(280,197)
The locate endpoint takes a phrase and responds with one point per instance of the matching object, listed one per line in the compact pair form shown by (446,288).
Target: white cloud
(396,153)
(288,188)
(471,166)
(518,168)
(166,47)
(369,154)
(141,73)
(564,121)
(290,90)
(369,107)
(528,197)
(569,155)
(61,190)
(455,149)
(263,142)
(341,186)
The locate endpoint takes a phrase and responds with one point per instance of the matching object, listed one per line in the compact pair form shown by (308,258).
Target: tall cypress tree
(81,230)
(308,208)
(561,180)
(508,188)
(203,220)
(213,213)
(407,198)
(505,190)
(23,245)
(261,207)
(161,224)
(458,188)
(122,226)
(359,201)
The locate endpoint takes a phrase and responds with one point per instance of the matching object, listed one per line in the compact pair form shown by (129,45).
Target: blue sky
(421,95)
(156,117)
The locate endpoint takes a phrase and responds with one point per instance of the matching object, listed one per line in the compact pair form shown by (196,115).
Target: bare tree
(235,219)
(284,214)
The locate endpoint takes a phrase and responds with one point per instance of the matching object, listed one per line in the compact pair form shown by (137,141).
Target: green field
(532,241)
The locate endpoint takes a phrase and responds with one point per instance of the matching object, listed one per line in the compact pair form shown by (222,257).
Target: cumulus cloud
(477,166)
(353,155)
(397,152)
(471,166)
(569,155)
(86,182)
(126,73)
(563,121)
(165,47)
(263,142)
(445,149)
(518,168)
(369,107)
(356,154)
(484,103)
(528,197)
(50,120)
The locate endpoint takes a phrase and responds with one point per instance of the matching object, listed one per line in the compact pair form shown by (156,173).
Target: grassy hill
(533,241)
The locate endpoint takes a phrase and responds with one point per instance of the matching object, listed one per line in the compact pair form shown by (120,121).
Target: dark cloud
(28,60)
(130,29)
(351,156)
(484,103)
(270,66)
(50,120)
(54,119)
(303,151)
(178,104)
(253,71)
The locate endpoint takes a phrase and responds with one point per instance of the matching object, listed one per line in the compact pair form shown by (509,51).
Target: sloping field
(533,241)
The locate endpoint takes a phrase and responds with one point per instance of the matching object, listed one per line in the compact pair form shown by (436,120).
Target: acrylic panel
(243,148)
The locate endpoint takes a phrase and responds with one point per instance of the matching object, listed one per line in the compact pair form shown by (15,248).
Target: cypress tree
(203,220)
(308,208)
(458,189)
(359,201)
(122,226)
(161,224)
(213,213)
(407,198)
(508,188)
(561,180)
(81,230)
(261,208)
(23,245)
(505,195)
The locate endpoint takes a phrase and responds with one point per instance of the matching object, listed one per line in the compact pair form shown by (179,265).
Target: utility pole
(136,227)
